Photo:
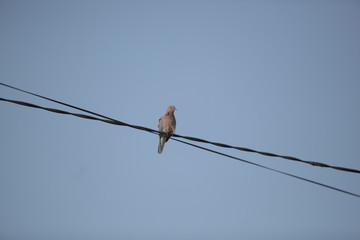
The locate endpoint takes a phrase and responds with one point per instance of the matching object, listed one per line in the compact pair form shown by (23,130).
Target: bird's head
(171,109)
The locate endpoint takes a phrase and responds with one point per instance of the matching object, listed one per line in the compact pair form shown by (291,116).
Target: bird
(167,126)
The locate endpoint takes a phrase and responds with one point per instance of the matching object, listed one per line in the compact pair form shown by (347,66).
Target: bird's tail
(162,141)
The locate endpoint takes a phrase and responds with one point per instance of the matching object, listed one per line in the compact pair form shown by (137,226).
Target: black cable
(111,121)
(78,108)
(269,168)
(115,122)
(318,164)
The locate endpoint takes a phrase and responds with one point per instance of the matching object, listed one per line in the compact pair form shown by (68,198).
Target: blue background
(277,76)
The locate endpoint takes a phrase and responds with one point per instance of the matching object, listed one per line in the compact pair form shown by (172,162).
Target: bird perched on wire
(167,125)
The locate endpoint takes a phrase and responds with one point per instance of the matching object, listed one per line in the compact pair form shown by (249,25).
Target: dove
(167,125)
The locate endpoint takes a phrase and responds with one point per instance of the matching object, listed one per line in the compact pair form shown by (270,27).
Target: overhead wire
(269,168)
(313,163)
(115,122)
(110,121)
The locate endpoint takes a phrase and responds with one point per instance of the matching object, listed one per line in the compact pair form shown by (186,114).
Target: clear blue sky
(277,76)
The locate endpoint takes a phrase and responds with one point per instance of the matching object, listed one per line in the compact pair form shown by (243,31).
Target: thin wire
(115,122)
(269,168)
(318,164)
(110,121)
(71,106)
